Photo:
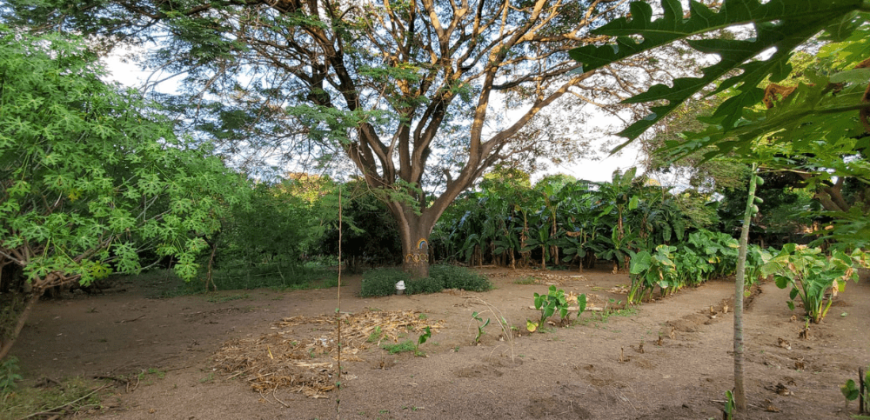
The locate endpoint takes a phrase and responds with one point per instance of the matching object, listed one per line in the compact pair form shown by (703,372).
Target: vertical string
(338,314)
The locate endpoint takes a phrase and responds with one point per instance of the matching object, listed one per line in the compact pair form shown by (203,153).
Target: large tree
(404,89)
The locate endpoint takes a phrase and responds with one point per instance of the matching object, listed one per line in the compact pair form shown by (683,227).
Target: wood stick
(861,394)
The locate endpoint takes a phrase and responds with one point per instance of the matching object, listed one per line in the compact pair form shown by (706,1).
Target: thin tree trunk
(22,319)
(739,344)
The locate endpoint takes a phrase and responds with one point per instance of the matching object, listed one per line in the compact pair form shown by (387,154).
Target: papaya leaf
(782,25)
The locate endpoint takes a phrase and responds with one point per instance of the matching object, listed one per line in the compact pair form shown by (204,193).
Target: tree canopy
(90,178)
(404,89)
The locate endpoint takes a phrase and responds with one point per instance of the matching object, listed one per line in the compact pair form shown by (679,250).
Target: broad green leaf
(779,24)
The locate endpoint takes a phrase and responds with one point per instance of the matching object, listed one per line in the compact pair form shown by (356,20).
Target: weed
(525,280)
(375,336)
(422,339)
(402,347)
(151,371)
(8,375)
(73,395)
(423,317)
(480,327)
(208,378)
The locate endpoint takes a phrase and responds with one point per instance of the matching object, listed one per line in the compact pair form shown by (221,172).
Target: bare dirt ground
(611,368)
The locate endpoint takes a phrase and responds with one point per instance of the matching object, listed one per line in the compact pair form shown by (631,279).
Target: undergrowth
(382,281)
(72,397)
(272,276)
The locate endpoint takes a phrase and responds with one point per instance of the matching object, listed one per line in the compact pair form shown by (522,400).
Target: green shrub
(424,286)
(382,281)
(453,277)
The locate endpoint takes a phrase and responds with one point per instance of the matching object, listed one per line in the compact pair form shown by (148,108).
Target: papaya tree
(90,177)
(829,113)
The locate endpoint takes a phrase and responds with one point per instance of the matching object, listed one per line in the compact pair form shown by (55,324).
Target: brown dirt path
(570,373)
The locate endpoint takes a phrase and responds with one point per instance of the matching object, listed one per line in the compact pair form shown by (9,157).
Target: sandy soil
(616,368)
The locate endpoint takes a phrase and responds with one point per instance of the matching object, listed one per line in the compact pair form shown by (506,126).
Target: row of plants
(564,221)
(814,278)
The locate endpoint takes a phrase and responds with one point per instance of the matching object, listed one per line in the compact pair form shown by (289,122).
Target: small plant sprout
(548,304)
(581,305)
(480,327)
(729,405)
(8,375)
(422,339)
(850,391)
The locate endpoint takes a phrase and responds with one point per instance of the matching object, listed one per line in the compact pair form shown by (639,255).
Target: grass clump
(382,281)
(453,277)
(424,286)
(73,396)
(402,347)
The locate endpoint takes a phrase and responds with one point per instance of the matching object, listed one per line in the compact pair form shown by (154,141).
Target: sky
(130,74)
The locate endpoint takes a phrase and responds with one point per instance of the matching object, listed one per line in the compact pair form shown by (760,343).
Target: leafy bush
(453,277)
(813,277)
(424,286)
(8,375)
(382,281)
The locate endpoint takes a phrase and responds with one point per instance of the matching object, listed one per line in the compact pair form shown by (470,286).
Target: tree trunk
(414,231)
(739,392)
(19,325)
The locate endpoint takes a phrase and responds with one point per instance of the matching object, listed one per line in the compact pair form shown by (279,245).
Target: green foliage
(8,375)
(370,235)
(278,276)
(651,270)
(424,286)
(849,390)
(382,282)
(375,336)
(729,405)
(402,347)
(553,302)
(561,220)
(480,327)
(812,276)
(427,332)
(783,24)
(92,177)
(703,256)
(581,304)
(76,396)
(455,277)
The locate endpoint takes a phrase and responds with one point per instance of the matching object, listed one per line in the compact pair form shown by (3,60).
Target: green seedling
(422,339)
(480,331)
(375,336)
(402,347)
(729,405)
(549,304)
(8,375)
